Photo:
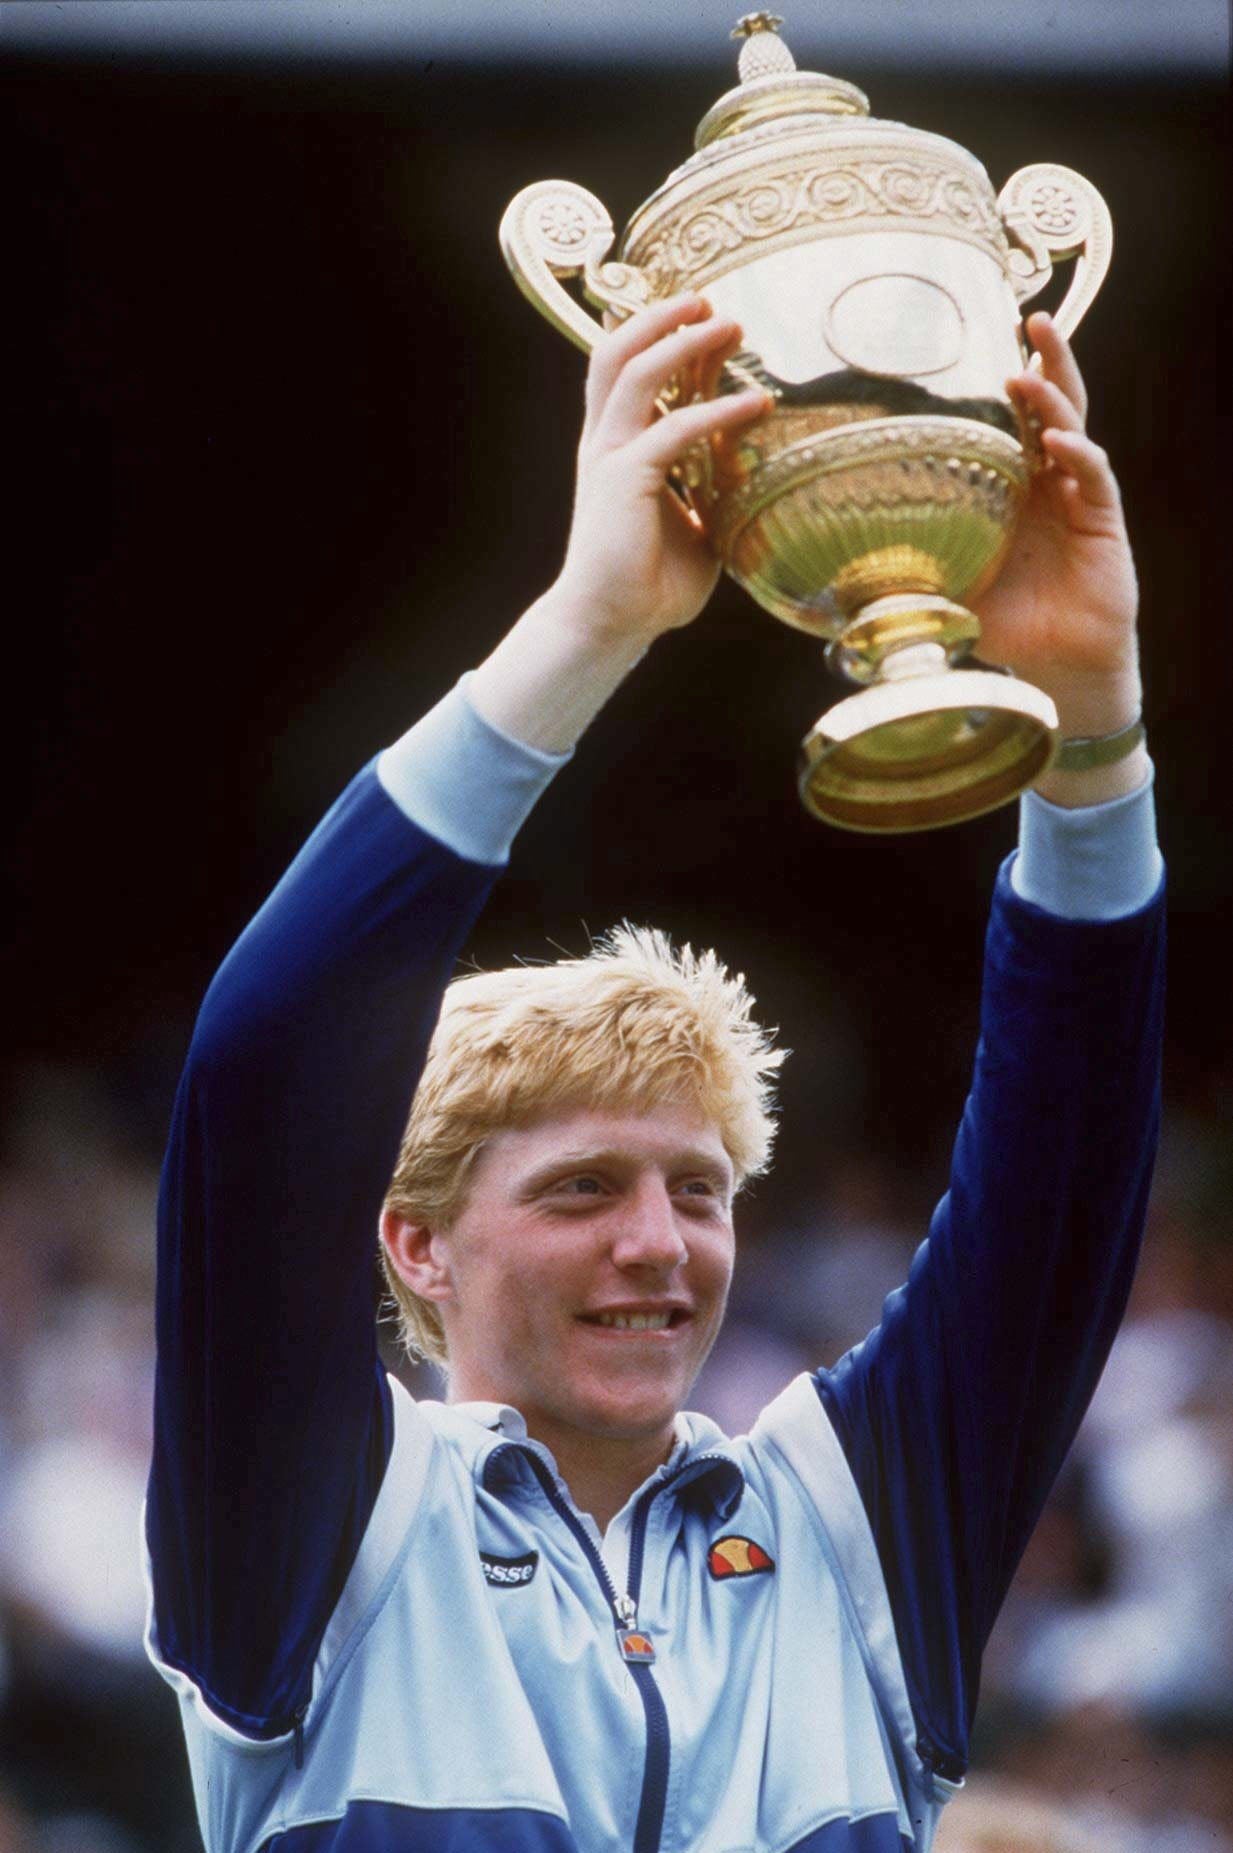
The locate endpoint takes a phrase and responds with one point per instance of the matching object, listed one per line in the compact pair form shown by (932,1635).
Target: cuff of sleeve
(1094,862)
(464,781)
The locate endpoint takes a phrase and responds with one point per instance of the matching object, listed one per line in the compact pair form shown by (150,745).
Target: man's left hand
(1062,610)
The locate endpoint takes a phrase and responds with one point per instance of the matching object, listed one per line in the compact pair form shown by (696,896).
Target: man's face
(589,1268)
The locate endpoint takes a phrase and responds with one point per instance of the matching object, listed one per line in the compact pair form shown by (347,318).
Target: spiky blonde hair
(634,1024)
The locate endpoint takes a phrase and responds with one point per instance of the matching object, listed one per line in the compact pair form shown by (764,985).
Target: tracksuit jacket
(390,1629)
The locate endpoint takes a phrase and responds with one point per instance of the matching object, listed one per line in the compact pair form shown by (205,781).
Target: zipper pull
(635,1646)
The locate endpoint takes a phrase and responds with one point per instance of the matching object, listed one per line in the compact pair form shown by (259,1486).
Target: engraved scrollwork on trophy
(556,229)
(904,186)
(959,201)
(841,195)
(792,201)
(1051,213)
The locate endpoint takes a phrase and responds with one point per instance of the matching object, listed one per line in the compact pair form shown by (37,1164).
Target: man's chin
(625,1414)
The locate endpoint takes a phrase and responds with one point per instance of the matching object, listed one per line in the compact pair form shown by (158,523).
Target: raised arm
(955,1414)
(272,1416)
(637,564)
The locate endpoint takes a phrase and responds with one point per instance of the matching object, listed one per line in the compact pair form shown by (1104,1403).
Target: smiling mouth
(636,1322)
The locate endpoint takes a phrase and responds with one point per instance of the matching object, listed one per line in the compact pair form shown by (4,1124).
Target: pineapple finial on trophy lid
(764,53)
(771,87)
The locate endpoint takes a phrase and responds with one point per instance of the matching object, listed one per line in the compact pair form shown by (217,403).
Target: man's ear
(418,1255)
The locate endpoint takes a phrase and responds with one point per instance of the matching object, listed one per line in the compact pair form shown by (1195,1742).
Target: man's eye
(582,1186)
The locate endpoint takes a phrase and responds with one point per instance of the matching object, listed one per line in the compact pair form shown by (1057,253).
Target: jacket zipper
(654,1798)
(636,1648)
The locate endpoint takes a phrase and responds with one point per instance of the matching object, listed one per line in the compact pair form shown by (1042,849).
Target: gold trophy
(877,279)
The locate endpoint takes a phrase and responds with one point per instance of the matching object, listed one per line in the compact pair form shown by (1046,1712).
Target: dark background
(289,452)
(292,451)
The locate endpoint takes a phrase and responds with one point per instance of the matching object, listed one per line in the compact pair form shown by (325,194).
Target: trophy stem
(885,638)
(924,743)
(913,659)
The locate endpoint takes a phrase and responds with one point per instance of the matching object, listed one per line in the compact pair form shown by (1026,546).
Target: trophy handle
(555,229)
(1050,213)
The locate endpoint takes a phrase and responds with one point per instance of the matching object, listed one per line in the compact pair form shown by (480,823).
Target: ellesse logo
(508,1572)
(736,1556)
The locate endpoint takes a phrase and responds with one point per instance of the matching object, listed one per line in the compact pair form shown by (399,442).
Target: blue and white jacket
(389,1627)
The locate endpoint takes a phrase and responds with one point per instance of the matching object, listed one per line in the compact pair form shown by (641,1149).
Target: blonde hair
(634,1024)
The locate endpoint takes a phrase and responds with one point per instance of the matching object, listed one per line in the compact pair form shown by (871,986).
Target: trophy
(877,279)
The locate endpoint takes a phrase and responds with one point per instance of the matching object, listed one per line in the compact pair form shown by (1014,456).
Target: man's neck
(602,1473)
(600,1470)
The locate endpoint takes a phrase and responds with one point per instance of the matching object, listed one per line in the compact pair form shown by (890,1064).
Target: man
(554,1612)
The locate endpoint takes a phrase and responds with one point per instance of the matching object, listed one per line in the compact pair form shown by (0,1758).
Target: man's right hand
(637,561)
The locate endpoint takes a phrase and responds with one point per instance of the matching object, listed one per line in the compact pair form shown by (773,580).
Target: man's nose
(649,1234)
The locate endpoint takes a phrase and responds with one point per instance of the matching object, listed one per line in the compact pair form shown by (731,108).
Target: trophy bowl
(877,278)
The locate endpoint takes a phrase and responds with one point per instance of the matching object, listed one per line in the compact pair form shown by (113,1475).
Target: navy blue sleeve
(956,1412)
(272,1415)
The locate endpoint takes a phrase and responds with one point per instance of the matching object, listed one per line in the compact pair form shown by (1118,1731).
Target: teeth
(636,1322)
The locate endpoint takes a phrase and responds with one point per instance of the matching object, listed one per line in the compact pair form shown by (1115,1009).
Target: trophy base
(926,750)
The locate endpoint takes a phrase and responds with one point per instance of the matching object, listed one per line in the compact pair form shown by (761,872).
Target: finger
(1057,359)
(670,437)
(646,326)
(630,407)
(1078,458)
(1039,399)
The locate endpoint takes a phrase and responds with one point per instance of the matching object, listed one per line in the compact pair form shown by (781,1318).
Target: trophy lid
(772,88)
(776,104)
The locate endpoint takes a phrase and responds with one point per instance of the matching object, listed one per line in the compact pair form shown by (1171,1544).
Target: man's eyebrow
(704,1164)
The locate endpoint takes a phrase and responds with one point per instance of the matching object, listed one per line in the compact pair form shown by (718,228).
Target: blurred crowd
(1106,1721)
